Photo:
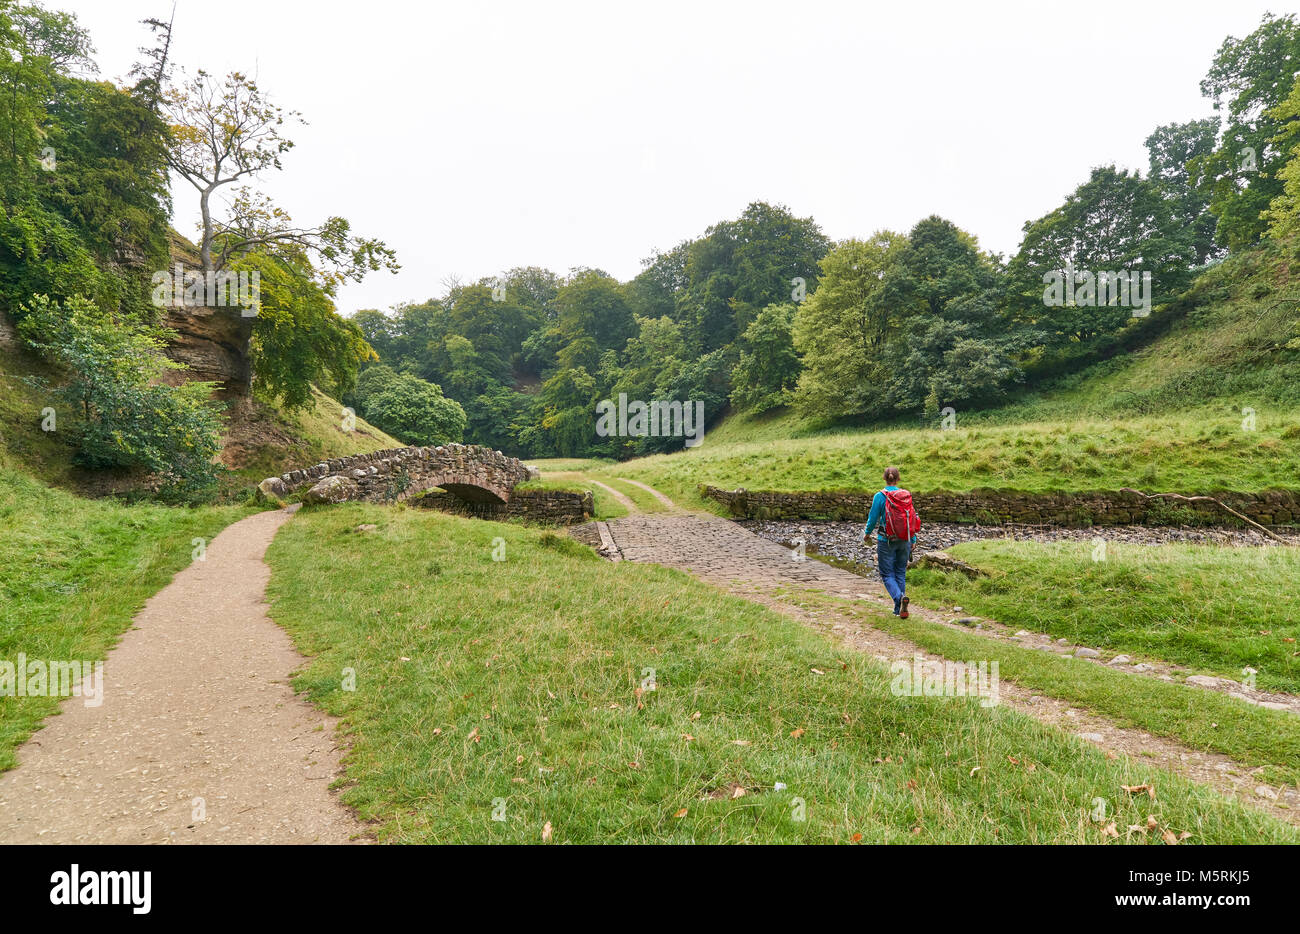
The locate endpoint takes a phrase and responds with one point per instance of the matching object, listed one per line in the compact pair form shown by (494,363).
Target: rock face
(213,343)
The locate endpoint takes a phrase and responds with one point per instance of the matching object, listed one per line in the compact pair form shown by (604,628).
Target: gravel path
(199,738)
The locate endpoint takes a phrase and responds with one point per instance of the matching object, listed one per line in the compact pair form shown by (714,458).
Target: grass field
(518,689)
(75,572)
(1215,609)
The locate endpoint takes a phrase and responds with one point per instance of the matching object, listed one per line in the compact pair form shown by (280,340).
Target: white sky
(474,137)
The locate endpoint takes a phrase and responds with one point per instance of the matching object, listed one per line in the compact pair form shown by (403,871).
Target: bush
(121,415)
(414,410)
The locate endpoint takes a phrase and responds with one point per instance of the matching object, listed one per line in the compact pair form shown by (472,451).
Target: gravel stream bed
(844,539)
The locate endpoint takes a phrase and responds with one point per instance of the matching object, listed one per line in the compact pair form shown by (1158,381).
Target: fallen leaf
(1138,789)
(797,733)
(474,735)
(681,813)
(857,838)
(546,833)
(688,737)
(1109,830)
(634,765)
(818,671)
(696,715)
(519,759)
(1168,837)
(974,770)
(738,792)
(741,742)
(1152,824)
(437,731)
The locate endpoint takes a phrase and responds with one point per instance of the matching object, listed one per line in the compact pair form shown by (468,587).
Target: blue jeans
(892,558)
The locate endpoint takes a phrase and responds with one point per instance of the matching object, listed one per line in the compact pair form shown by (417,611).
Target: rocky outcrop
(213,343)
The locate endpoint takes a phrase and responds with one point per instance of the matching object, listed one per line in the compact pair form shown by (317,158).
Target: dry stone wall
(470,472)
(546,507)
(992,507)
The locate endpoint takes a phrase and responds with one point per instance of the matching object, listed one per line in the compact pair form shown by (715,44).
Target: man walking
(892,511)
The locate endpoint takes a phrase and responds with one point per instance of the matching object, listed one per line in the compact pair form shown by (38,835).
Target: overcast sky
(474,137)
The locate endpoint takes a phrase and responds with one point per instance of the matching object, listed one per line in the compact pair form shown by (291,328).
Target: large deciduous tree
(1249,77)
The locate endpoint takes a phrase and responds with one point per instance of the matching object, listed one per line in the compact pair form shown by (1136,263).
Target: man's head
(891,476)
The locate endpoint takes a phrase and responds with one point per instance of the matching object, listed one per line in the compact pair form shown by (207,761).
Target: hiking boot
(903,609)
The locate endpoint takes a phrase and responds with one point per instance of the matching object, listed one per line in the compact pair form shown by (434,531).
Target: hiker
(892,511)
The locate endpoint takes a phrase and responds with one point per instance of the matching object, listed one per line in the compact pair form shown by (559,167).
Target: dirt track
(196,705)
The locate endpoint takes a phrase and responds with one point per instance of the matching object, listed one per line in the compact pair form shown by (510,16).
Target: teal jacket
(877,517)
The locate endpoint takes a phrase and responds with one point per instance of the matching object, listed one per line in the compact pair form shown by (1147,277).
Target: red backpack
(901,520)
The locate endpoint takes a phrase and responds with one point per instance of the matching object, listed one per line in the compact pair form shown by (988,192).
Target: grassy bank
(1204,720)
(510,688)
(76,572)
(1198,450)
(1215,609)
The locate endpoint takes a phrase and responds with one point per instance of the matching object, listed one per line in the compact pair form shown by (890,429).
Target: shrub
(121,415)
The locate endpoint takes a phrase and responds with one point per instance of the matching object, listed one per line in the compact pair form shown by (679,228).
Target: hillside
(259,440)
(1171,411)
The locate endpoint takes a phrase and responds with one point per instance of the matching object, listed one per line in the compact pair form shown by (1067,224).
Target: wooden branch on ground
(1206,499)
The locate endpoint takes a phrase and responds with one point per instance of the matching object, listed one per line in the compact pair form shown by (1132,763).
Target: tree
(1249,77)
(1171,149)
(300,338)
(1283,214)
(225,131)
(415,411)
(842,330)
(1115,221)
(739,267)
(765,376)
(594,316)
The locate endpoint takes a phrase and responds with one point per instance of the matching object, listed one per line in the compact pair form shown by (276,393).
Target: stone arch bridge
(471,472)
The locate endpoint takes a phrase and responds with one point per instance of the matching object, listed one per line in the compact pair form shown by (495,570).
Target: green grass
(644,499)
(76,572)
(1214,609)
(1204,720)
(1191,451)
(566,464)
(483,685)
(606,506)
(270,441)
